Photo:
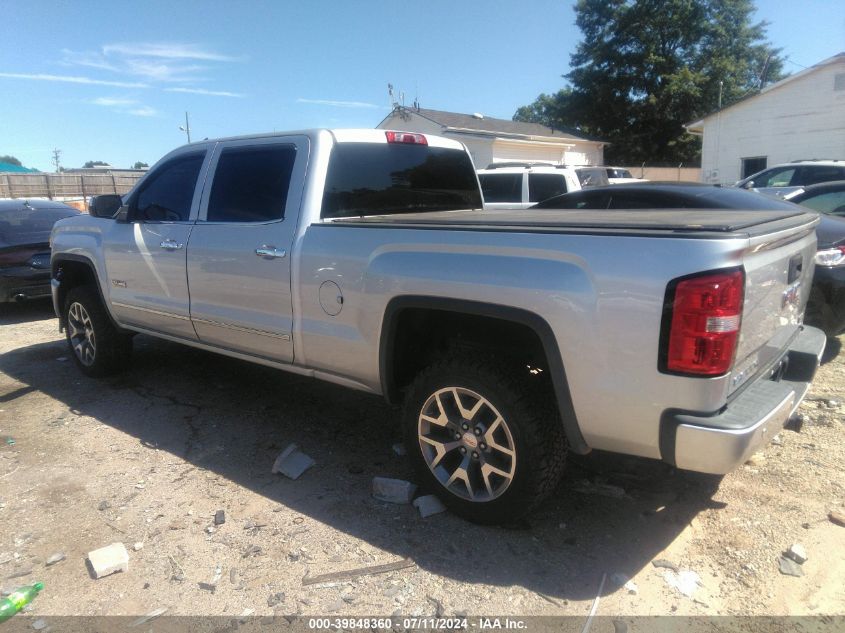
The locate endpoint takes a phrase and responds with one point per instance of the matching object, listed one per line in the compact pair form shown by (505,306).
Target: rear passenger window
(544,186)
(501,187)
(251,184)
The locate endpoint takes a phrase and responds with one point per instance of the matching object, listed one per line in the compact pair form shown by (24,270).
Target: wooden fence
(67,185)
(677,174)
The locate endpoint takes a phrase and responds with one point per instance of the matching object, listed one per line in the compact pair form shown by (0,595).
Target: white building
(800,117)
(498,140)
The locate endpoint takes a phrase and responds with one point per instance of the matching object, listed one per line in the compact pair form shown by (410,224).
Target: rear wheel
(98,347)
(485,439)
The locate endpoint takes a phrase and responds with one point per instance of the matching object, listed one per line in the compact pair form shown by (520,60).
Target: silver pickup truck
(364,258)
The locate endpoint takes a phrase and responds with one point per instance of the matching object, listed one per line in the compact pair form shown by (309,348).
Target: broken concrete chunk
(797,553)
(109,560)
(393,490)
(219,517)
(428,505)
(790,567)
(58,557)
(292,462)
(836,517)
(686,582)
(138,546)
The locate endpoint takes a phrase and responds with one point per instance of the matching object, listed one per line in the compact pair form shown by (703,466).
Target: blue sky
(112,81)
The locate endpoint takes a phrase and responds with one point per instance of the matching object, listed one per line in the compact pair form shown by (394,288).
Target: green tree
(140,165)
(10,160)
(646,67)
(95,163)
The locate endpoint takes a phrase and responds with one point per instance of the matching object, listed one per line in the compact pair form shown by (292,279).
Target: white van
(522,185)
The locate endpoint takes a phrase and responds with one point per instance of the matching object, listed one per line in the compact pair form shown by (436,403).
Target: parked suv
(515,185)
(783,179)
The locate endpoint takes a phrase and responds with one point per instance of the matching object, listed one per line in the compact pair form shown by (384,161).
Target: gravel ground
(148,457)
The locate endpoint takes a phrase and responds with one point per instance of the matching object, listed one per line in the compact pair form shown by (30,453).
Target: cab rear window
(385,179)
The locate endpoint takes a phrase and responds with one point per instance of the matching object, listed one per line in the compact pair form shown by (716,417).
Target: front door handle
(270,252)
(170,245)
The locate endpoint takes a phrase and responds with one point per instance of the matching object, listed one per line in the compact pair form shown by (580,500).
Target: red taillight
(405,137)
(705,314)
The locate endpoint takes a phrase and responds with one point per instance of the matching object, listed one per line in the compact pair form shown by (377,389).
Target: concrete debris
(428,505)
(138,546)
(104,505)
(109,560)
(276,599)
(836,517)
(40,624)
(149,616)
(212,584)
(292,462)
(603,490)
(219,517)
(789,567)
(686,582)
(665,564)
(399,449)
(631,587)
(393,490)
(797,553)
(210,529)
(58,557)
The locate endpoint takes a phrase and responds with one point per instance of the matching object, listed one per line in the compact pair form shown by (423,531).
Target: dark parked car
(658,195)
(826,306)
(25,227)
(827,300)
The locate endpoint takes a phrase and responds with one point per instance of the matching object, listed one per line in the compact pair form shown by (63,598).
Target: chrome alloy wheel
(81,334)
(466,444)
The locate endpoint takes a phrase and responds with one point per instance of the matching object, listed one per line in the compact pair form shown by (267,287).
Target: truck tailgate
(779,271)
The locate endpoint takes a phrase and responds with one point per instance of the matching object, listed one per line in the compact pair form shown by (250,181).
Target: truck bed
(691,223)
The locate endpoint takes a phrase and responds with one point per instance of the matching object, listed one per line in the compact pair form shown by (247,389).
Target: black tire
(111,347)
(530,416)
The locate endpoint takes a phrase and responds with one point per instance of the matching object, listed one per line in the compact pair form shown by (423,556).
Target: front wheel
(98,347)
(484,438)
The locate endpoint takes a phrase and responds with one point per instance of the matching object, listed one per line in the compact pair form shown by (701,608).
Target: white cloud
(143,111)
(73,80)
(166,51)
(203,91)
(111,102)
(338,104)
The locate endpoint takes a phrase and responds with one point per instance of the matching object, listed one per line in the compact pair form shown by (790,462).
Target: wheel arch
(70,271)
(391,347)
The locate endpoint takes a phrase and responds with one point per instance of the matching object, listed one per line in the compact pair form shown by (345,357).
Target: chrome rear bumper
(720,443)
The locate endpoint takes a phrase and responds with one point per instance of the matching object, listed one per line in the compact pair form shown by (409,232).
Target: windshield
(383,179)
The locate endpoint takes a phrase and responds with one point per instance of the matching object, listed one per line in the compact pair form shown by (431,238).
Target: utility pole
(56,154)
(187,128)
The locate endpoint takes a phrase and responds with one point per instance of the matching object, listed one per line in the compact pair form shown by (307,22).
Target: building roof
(697,126)
(477,123)
(15,169)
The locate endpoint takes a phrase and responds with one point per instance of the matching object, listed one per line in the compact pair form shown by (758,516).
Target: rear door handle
(170,245)
(270,252)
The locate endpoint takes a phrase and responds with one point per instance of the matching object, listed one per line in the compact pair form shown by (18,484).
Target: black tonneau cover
(693,222)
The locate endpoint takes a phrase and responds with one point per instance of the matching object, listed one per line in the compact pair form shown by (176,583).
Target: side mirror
(104,206)
(749,185)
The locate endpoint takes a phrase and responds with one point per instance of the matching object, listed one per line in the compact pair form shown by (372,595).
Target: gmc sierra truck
(365,258)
